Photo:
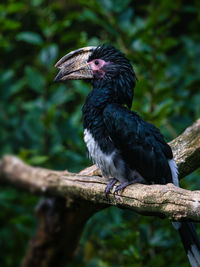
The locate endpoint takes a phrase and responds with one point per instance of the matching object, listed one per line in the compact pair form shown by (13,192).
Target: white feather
(105,162)
(174,171)
(194,256)
(196,253)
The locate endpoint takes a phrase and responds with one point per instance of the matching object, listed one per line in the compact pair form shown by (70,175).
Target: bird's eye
(96,62)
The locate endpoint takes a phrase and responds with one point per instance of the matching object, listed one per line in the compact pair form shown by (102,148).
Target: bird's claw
(122,186)
(109,186)
(118,188)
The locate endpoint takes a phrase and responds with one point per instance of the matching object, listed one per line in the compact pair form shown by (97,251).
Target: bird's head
(101,65)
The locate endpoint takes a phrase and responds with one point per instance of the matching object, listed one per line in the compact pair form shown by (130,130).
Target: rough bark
(186,149)
(163,200)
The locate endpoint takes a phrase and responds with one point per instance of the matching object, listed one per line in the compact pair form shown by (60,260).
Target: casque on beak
(74,65)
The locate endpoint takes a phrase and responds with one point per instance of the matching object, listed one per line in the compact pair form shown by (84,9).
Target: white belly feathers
(105,162)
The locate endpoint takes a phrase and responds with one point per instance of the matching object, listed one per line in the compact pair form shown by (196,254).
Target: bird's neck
(106,91)
(93,122)
(94,106)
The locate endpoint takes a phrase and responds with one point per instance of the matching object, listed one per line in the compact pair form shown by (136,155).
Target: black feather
(141,143)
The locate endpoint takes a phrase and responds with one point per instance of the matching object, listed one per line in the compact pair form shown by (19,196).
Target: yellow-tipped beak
(74,65)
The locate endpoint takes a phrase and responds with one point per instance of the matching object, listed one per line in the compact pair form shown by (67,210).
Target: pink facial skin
(97,67)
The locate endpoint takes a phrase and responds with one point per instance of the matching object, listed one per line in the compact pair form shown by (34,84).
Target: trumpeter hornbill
(124,146)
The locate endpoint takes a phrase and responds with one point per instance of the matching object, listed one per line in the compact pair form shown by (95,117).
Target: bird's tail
(190,241)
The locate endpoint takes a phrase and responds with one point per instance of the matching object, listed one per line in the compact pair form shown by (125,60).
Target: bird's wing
(140,143)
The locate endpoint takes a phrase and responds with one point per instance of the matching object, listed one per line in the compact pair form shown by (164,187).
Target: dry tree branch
(163,200)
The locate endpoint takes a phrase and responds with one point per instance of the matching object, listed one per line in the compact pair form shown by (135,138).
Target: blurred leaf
(139,46)
(35,80)
(6,75)
(36,2)
(15,7)
(61,95)
(49,54)
(116,6)
(162,109)
(38,160)
(30,37)
(11,25)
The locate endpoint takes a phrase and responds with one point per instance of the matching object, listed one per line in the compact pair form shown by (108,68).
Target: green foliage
(41,121)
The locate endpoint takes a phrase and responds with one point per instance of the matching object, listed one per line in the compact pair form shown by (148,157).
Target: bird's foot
(110,185)
(123,185)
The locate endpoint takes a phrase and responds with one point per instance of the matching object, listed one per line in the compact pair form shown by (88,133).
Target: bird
(126,148)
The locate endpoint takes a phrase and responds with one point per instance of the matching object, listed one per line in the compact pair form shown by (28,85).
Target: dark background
(41,121)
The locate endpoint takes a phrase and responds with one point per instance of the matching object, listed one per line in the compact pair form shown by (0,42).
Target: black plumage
(141,144)
(114,127)
(124,146)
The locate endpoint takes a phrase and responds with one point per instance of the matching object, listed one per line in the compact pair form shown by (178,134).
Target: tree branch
(162,200)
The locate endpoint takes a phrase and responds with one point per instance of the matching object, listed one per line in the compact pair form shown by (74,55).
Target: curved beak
(74,65)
